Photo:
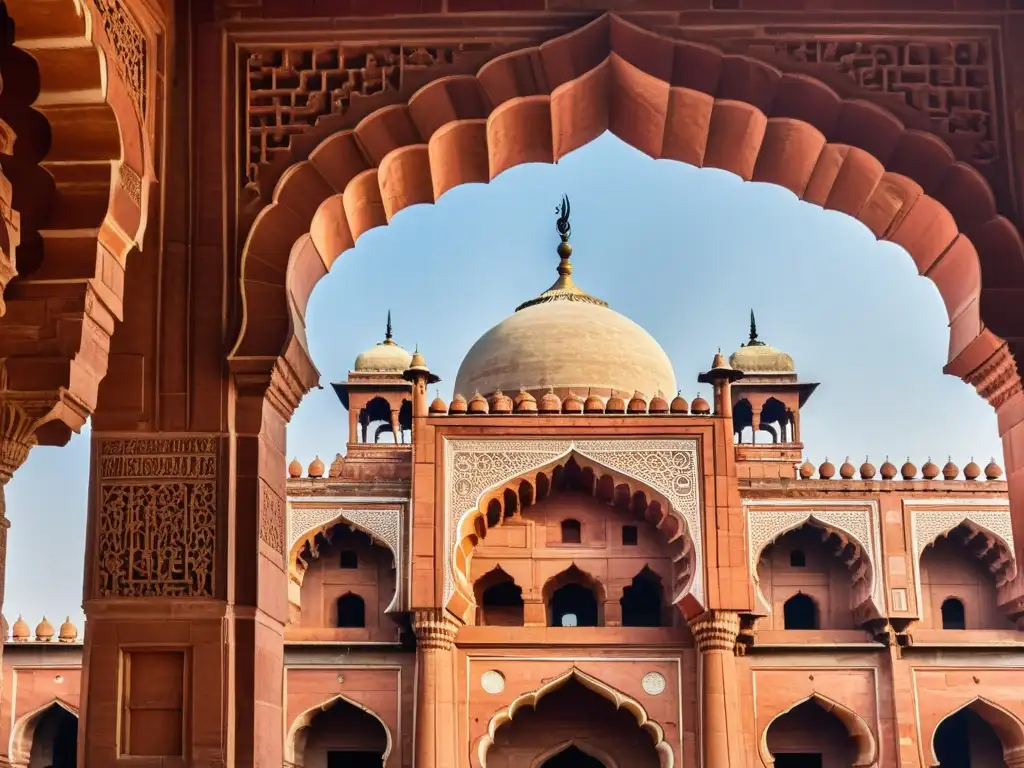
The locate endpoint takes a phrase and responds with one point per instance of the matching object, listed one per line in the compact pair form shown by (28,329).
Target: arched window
(800,612)
(641,601)
(351,611)
(349,560)
(572,532)
(573,605)
(797,559)
(500,601)
(953,614)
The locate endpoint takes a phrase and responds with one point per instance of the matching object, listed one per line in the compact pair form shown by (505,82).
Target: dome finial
(387,332)
(753,341)
(562,225)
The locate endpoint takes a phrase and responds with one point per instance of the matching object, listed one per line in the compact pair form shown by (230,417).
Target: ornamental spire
(387,332)
(753,341)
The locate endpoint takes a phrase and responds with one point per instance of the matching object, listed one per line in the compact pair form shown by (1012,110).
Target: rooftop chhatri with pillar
(566,564)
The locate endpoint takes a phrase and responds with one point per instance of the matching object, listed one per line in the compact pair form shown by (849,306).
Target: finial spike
(753,327)
(387,332)
(562,225)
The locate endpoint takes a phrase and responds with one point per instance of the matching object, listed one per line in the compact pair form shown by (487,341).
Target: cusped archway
(1007,726)
(864,743)
(297,735)
(23,732)
(668,98)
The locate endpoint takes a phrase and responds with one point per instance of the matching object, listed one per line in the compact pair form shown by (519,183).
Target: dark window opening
(353,759)
(797,559)
(953,614)
(800,612)
(630,535)
(641,601)
(572,757)
(503,605)
(572,532)
(573,606)
(351,611)
(349,560)
(798,761)
(953,740)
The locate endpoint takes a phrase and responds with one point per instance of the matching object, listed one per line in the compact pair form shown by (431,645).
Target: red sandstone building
(177,175)
(577,521)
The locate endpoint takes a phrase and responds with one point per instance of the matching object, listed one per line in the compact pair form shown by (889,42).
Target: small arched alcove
(643,601)
(351,612)
(338,734)
(499,600)
(805,573)
(574,599)
(46,738)
(818,733)
(959,567)
(980,734)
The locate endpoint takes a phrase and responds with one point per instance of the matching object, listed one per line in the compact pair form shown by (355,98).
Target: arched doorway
(569,727)
(338,734)
(978,735)
(818,733)
(46,738)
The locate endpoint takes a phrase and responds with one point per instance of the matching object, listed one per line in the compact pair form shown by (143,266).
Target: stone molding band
(715,631)
(435,629)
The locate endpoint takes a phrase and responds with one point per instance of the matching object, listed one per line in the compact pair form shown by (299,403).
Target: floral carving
(157,517)
(997,380)
(766,522)
(271,518)
(715,631)
(927,525)
(666,466)
(130,183)
(129,44)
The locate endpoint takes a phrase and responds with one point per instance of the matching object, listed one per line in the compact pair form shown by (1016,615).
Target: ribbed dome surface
(566,345)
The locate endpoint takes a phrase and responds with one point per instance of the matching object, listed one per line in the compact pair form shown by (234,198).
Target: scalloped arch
(1008,728)
(668,98)
(860,732)
(666,756)
(306,719)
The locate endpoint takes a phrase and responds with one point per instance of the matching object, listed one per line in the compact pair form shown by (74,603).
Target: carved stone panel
(768,520)
(669,467)
(129,44)
(271,518)
(156,517)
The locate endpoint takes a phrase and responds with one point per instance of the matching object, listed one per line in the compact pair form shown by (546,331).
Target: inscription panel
(156,517)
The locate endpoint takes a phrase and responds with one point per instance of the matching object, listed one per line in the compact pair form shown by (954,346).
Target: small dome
(524,402)
(827,470)
(550,402)
(930,470)
(847,470)
(500,402)
(972,471)
(757,357)
(806,470)
(679,404)
(68,631)
(888,470)
(417,362)
(593,403)
(658,404)
(458,405)
(993,471)
(950,471)
(316,468)
(700,406)
(438,407)
(385,357)
(295,468)
(867,470)
(637,404)
(572,403)
(20,630)
(477,404)
(44,631)
(908,470)
(615,404)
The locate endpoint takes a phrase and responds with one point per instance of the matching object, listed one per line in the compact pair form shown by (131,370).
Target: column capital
(715,630)
(435,628)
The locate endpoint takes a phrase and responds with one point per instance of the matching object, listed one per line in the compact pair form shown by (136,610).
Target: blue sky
(686,253)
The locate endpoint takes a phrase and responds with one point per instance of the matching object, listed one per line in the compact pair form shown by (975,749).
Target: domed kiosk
(566,340)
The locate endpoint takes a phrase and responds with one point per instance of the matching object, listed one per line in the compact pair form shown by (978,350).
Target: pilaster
(715,633)
(435,692)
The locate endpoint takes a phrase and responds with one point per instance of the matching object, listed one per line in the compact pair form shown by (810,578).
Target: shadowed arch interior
(668,98)
(819,726)
(968,730)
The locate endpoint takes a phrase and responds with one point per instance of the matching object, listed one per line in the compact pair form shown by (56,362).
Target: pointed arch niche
(23,734)
(659,477)
(530,700)
(1007,726)
(986,528)
(295,741)
(854,524)
(864,746)
(310,523)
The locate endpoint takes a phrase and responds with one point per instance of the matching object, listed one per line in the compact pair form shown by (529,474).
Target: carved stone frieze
(131,183)
(271,520)
(768,520)
(668,467)
(384,525)
(998,379)
(128,41)
(991,516)
(156,527)
(952,81)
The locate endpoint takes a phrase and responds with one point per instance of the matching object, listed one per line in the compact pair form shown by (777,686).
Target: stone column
(435,689)
(714,633)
